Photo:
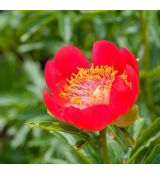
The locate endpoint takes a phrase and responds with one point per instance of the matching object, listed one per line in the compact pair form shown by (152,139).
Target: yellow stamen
(125,78)
(89,86)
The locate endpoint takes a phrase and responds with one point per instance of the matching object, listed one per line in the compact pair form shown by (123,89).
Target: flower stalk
(146,60)
(103,146)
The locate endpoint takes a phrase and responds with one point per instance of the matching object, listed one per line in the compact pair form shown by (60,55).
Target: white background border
(80,169)
(80,4)
(74,169)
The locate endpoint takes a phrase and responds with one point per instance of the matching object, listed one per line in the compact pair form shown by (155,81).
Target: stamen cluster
(89,86)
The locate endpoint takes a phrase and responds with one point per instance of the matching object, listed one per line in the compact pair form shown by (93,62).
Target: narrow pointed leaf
(58,126)
(147,135)
(155,152)
(127,137)
(144,152)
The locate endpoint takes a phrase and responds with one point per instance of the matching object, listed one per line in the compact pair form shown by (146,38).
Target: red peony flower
(91,96)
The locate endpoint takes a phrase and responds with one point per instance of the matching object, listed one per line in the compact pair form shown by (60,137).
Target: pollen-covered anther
(77,100)
(89,86)
(125,78)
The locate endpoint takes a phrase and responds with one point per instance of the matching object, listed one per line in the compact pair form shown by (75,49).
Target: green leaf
(36,25)
(65,26)
(127,137)
(137,127)
(116,152)
(75,153)
(99,27)
(151,74)
(148,134)
(30,46)
(20,137)
(153,154)
(150,137)
(58,126)
(142,154)
(127,119)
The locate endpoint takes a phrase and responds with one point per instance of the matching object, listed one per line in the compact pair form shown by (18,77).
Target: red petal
(130,59)
(68,58)
(55,81)
(65,62)
(134,79)
(123,97)
(52,76)
(93,118)
(52,105)
(106,53)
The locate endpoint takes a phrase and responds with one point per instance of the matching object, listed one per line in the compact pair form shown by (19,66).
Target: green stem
(144,28)
(147,82)
(103,146)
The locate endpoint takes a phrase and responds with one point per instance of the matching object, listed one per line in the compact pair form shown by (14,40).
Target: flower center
(89,86)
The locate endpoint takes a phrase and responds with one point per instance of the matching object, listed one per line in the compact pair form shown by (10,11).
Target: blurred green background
(29,38)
